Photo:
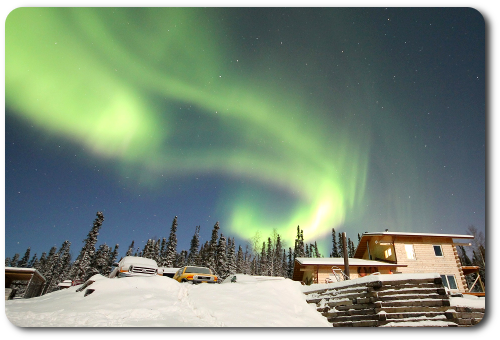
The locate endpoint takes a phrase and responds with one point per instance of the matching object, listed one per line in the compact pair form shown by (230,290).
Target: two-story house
(391,253)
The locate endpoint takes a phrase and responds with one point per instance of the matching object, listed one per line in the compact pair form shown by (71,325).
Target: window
(410,252)
(438,250)
(388,252)
(449,281)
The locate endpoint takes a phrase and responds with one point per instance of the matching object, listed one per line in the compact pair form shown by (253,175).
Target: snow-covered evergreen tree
(14,261)
(81,267)
(50,270)
(284,265)
(148,250)
(31,263)
(221,266)
(101,260)
(212,249)
(181,259)
(231,257)
(240,260)
(290,263)
(269,271)
(113,256)
(64,266)
(262,270)
(171,252)
(23,263)
(278,257)
(130,249)
(194,253)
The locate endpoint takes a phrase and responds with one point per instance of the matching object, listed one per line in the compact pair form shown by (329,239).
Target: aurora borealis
(262,119)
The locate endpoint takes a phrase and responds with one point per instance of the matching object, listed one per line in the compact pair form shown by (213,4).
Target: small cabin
(27,280)
(419,253)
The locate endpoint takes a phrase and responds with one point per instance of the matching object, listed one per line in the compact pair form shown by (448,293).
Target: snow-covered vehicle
(134,266)
(192,274)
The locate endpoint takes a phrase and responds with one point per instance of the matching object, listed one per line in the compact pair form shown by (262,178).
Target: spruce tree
(162,262)
(221,264)
(278,257)
(240,260)
(130,249)
(172,245)
(231,257)
(270,259)
(14,261)
(212,249)
(81,266)
(50,270)
(335,249)
(113,256)
(263,261)
(100,262)
(350,247)
(34,262)
(23,263)
(290,263)
(64,262)
(194,254)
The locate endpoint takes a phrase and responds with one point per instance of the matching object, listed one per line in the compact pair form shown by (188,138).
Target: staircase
(421,302)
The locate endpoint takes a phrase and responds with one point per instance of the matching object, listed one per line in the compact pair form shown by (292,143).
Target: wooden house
(418,252)
(392,253)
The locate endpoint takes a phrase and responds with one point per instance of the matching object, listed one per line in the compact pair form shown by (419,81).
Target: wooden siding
(426,260)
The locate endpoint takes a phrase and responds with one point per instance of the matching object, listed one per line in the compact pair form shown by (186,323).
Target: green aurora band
(112,80)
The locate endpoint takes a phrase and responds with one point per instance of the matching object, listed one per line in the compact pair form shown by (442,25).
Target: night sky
(261,119)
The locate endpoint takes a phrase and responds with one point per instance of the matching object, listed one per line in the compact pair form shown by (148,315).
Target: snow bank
(163,302)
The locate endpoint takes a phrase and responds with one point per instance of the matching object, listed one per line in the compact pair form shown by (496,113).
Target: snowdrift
(163,302)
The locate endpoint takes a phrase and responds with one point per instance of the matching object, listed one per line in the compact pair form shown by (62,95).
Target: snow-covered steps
(401,300)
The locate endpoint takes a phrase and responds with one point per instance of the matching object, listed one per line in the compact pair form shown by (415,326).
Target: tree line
(267,257)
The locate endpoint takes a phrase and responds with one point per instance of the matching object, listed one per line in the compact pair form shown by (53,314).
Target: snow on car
(134,266)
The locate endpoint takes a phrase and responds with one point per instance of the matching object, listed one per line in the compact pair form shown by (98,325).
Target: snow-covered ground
(162,302)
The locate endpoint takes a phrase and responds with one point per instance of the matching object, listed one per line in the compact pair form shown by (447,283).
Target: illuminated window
(410,252)
(388,252)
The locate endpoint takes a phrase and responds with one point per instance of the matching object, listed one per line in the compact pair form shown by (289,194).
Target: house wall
(425,259)
(324,272)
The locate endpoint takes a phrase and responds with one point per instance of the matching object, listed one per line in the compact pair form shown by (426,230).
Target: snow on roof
(339,261)
(402,233)
(25,270)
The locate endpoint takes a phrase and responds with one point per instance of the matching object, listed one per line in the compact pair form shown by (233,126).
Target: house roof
(402,233)
(361,248)
(339,261)
(21,273)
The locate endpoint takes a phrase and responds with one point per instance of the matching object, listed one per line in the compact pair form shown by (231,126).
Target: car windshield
(199,270)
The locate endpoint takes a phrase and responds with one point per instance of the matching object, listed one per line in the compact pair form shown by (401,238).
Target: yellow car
(192,274)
